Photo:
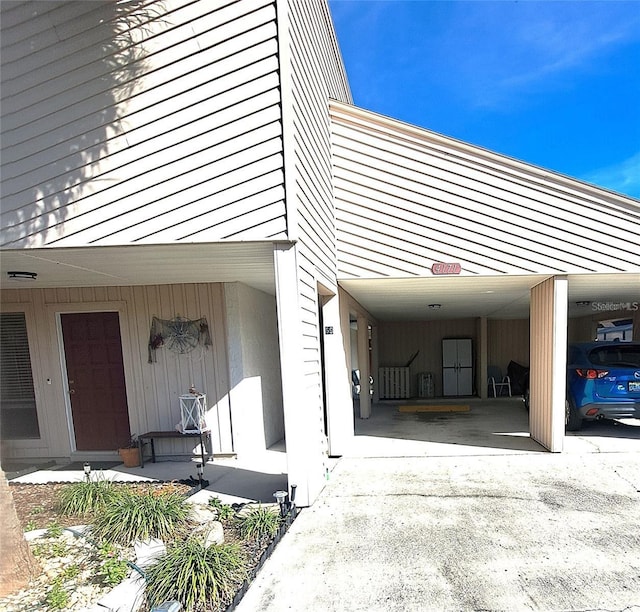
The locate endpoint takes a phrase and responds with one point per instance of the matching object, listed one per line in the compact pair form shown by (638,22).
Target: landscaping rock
(215,534)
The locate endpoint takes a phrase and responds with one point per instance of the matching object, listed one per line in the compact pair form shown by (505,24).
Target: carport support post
(363,365)
(338,379)
(483,336)
(548,361)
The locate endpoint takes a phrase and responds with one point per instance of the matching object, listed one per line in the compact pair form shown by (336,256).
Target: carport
(438,238)
(527,318)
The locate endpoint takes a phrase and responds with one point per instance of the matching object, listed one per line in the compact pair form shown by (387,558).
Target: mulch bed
(36,508)
(36,503)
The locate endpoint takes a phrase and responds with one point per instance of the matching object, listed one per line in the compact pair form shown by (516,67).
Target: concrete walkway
(510,528)
(230,480)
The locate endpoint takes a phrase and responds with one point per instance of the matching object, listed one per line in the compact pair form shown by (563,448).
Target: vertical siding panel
(399,341)
(152,389)
(548,362)
(508,341)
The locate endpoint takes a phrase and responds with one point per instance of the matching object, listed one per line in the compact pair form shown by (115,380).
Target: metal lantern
(193,412)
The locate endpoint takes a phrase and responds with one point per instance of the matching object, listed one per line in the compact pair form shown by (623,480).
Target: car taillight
(591,374)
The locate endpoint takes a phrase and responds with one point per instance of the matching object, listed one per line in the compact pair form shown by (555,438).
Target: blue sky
(555,83)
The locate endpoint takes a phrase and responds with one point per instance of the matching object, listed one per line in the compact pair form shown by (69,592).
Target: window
(18,416)
(618,355)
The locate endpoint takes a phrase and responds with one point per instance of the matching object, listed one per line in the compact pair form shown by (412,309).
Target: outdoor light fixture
(281,497)
(87,471)
(22,276)
(435,306)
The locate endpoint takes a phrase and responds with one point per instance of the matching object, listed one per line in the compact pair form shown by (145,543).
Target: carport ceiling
(494,297)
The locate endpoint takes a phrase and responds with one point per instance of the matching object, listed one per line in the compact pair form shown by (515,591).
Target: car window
(616,355)
(573,354)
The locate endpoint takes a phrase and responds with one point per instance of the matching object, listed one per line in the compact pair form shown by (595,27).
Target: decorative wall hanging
(179,335)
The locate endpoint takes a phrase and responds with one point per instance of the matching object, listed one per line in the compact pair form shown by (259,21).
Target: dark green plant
(86,497)
(195,575)
(57,598)
(259,522)
(133,515)
(224,511)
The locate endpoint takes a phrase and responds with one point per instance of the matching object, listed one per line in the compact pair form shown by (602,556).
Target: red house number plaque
(446,268)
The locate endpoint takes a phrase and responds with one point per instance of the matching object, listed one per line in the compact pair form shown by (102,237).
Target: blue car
(603,382)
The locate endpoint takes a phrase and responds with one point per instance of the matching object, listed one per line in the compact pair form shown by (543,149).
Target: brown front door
(95,372)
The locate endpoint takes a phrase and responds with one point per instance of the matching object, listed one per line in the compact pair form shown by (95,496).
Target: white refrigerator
(457,366)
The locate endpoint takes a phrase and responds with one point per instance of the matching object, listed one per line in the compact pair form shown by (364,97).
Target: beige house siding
(399,341)
(508,340)
(312,72)
(140,123)
(254,369)
(406,198)
(152,389)
(548,325)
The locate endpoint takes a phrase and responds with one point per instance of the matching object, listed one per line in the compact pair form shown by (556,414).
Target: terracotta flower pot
(130,456)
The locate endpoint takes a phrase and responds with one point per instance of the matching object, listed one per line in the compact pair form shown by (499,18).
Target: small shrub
(59,549)
(47,550)
(54,530)
(71,571)
(39,550)
(195,575)
(133,516)
(57,598)
(30,526)
(259,522)
(86,497)
(224,511)
(113,569)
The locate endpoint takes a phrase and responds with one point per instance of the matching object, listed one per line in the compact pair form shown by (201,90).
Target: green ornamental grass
(86,497)
(132,515)
(259,523)
(196,575)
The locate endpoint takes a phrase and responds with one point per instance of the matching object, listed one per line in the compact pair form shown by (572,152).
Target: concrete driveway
(516,529)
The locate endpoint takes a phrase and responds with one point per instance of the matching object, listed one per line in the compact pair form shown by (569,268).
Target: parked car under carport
(603,382)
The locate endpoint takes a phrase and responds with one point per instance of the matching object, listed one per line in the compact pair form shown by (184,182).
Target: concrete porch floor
(231,480)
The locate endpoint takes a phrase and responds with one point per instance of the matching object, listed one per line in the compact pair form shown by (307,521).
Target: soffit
(246,262)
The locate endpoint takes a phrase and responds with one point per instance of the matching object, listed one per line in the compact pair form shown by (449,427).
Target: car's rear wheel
(572,420)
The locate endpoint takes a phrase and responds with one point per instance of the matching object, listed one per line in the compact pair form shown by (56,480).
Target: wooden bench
(155,435)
